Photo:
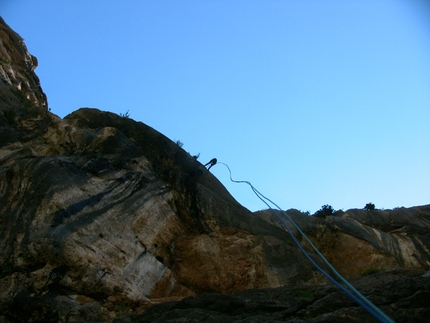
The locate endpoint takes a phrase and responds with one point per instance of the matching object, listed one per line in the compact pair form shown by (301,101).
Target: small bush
(196,156)
(324,211)
(125,115)
(369,207)
(179,143)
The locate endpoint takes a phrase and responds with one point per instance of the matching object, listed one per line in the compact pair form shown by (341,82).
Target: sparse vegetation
(179,143)
(125,115)
(369,207)
(324,211)
(196,156)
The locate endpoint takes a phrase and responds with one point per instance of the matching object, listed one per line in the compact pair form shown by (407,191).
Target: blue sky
(314,102)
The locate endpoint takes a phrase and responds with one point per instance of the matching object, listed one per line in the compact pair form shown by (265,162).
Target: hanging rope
(353,293)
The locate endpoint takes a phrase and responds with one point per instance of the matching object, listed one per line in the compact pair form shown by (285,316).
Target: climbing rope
(353,293)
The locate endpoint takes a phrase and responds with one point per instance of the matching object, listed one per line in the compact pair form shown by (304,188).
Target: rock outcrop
(401,294)
(356,241)
(102,215)
(17,67)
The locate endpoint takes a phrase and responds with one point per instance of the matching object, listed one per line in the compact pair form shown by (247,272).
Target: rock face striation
(101,215)
(356,241)
(401,294)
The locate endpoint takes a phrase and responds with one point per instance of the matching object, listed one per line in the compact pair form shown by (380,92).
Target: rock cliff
(102,215)
(356,241)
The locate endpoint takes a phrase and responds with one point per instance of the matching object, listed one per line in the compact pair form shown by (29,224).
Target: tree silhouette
(369,206)
(324,211)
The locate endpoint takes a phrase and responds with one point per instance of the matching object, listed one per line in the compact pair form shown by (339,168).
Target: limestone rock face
(101,215)
(17,66)
(99,209)
(84,201)
(402,294)
(359,240)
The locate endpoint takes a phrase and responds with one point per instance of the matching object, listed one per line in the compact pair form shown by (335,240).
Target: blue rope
(357,297)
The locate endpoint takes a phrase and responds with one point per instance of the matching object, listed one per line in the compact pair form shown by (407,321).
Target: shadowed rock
(102,215)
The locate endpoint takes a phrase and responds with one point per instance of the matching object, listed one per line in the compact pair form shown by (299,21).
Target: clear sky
(314,102)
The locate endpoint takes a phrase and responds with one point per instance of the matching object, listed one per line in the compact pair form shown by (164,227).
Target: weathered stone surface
(101,216)
(358,240)
(86,212)
(17,67)
(402,294)
(95,206)
(229,260)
